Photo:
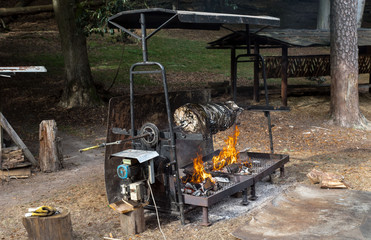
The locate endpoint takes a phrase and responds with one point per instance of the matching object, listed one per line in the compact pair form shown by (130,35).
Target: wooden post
(133,222)
(56,227)
(284,66)
(50,154)
(256,95)
(1,147)
(16,139)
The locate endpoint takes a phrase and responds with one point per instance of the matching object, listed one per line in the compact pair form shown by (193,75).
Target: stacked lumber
(15,173)
(12,157)
(13,164)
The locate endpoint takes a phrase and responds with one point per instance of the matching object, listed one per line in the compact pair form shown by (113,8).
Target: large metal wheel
(152,139)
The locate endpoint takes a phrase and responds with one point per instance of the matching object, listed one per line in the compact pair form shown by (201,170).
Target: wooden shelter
(289,66)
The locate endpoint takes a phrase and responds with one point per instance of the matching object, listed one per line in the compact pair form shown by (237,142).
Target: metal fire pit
(263,164)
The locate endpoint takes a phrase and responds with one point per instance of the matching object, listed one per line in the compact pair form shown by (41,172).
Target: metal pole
(267,114)
(256,94)
(132,130)
(144,37)
(233,70)
(173,147)
(248,44)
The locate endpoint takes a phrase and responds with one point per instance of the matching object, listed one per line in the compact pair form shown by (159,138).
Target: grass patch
(176,55)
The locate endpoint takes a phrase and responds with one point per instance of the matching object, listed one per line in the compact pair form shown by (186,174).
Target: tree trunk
(79,89)
(133,222)
(323,17)
(50,154)
(344,64)
(55,227)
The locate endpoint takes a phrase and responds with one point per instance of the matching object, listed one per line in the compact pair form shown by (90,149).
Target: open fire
(210,176)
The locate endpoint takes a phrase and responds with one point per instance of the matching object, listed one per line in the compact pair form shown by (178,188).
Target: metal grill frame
(243,182)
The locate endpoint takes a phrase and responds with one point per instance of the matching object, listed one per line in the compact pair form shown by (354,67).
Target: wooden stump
(50,155)
(133,222)
(56,227)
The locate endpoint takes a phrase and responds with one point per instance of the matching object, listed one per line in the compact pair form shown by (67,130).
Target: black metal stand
(234,87)
(133,71)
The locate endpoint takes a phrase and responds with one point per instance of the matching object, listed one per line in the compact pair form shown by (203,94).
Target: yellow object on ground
(42,211)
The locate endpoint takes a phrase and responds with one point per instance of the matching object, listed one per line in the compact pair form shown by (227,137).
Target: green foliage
(94,20)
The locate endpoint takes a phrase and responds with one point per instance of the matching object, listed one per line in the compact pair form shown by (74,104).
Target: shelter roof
(156,17)
(285,37)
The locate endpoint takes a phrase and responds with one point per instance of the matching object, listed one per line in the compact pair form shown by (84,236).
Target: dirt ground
(304,133)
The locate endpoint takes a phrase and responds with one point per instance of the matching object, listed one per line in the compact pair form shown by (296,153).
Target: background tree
(79,88)
(344,65)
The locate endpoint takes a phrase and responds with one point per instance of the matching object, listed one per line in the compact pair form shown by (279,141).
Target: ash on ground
(228,208)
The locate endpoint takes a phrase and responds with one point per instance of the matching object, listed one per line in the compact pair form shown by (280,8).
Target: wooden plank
(15,173)
(17,140)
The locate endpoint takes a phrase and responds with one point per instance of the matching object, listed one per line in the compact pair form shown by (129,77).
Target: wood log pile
(12,157)
(13,164)
(326,179)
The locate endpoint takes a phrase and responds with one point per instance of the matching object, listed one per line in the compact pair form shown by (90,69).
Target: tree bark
(79,89)
(56,227)
(323,17)
(50,154)
(133,222)
(344,64)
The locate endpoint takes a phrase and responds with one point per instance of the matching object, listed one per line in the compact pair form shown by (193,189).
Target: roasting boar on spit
(207,118)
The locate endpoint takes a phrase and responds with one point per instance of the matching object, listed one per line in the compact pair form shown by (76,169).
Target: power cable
(118,68)
(154,203)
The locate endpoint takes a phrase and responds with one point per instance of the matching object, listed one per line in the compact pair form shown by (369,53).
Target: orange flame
(199,174)
(229,154)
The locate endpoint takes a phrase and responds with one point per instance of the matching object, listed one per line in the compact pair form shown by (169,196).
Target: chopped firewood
(125,206)
(315,176)
(331,180)
(11,157)
(208,184)
(326,179)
